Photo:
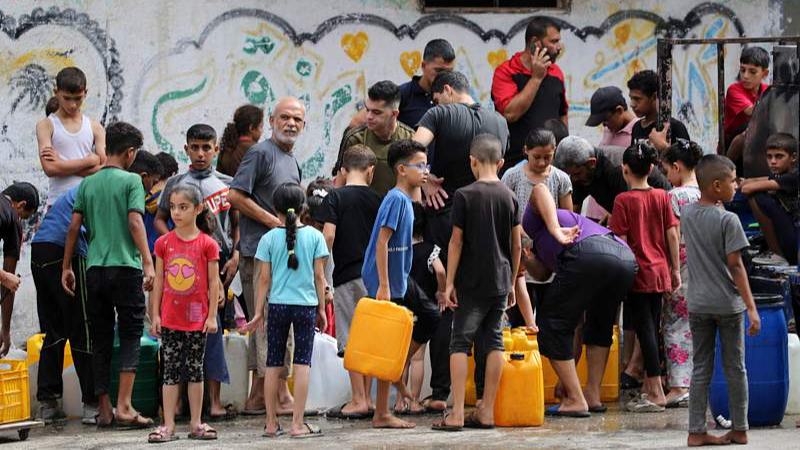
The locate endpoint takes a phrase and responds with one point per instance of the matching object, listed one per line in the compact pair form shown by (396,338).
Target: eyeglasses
(419,166)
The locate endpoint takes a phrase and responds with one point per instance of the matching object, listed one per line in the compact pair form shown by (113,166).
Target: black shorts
(425,309)
(478,320)
(593,276)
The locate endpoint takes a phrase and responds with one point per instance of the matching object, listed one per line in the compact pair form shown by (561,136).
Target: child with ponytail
(643,217)
(183,306)
(292,280)
(678,162)
(238,136)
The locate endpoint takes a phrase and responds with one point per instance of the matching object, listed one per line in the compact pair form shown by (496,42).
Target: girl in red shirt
(183,307)
(643,217)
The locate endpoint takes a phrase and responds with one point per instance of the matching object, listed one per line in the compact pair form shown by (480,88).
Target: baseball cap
(604,100)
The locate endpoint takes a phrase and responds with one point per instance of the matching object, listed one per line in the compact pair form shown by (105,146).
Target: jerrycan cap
(518,356)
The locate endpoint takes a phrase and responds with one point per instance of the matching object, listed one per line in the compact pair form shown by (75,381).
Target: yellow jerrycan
(379,339)
(520,396)
(34,349)
(508,341)
(470,391)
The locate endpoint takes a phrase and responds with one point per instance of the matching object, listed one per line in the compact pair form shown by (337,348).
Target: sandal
(337,413)
(681,401)
(472,421)
(628,382)
(426,404)
(441,425)
(555,411)
(135,423)
(230,414)
(278,432)
(161,435)
(313,431)
(203,432)
(642,404)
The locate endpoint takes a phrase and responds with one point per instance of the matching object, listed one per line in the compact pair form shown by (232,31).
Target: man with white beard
(264,167)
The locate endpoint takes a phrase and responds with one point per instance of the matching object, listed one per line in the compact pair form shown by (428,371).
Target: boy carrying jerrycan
(387,264)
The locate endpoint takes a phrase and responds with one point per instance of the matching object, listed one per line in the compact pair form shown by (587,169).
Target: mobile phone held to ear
(535,46)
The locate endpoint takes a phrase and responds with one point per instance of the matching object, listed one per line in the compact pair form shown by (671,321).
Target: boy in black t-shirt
(349,214)
(643,87)
(482,261)
(774,200)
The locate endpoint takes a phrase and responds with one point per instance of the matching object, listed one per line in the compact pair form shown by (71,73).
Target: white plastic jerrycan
(328,382)
(236,357)
(793,405)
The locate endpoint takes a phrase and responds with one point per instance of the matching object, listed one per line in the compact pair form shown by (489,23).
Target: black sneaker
(628,382)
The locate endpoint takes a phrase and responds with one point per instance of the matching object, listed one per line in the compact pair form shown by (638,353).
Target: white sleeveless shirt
(69,146)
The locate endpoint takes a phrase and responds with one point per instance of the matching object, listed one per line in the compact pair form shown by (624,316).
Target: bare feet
(390,421)
(699,439)
(737,437)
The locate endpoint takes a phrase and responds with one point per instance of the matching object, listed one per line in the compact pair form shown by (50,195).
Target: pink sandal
(161,435)
(203,432)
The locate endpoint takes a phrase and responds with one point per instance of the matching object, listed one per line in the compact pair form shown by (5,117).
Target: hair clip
(291,252)
(321,193)
(290,211)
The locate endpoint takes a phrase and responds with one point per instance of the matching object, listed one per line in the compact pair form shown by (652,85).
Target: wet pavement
(612,430)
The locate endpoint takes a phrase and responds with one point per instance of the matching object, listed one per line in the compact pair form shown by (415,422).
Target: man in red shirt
(528,89)
(741,98)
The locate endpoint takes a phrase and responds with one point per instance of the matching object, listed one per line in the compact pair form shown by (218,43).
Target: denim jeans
(731,337)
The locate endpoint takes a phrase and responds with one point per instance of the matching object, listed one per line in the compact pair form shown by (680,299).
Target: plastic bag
(328,382)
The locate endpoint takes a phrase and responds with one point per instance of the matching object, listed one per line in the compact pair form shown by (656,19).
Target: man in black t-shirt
(454,122)
(643,88)
(592,173)
(18,202)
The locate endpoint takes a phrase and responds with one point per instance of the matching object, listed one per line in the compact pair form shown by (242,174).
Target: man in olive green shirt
(381,130)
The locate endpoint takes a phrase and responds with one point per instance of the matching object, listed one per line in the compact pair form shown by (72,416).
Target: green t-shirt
(383,178)
(105,199)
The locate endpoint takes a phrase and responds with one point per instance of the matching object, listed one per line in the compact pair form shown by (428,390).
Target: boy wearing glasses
(387,261)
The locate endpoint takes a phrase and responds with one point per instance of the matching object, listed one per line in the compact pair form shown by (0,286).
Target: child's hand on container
(256,324)
(155,326)
(755,322)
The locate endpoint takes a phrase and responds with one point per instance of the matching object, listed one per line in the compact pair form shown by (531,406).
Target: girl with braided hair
(292,281)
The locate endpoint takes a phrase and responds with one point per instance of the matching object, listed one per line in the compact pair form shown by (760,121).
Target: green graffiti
(163,144)
(264,44)
(303,68)
(256,88)
(311,167)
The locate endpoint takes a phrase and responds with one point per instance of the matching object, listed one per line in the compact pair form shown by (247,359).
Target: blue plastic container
(767,363)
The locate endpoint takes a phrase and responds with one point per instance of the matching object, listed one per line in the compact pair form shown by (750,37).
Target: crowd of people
(472,217)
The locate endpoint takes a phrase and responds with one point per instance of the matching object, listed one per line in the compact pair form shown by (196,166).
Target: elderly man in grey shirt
(264,167)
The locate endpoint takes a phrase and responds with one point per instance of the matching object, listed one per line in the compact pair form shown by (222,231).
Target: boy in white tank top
(71,146)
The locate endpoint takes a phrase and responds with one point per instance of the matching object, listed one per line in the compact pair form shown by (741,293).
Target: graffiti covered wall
(166,65)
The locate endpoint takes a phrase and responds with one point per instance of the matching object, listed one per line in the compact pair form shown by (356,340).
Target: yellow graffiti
(497,58)
(355,45)
(410,62)
(56,59)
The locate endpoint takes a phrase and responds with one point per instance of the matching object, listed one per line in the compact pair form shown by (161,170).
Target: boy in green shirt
(110,204)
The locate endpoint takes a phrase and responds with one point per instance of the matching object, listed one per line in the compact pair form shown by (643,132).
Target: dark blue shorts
(302,319)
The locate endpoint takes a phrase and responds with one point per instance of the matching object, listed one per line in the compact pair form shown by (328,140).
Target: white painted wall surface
(164,65)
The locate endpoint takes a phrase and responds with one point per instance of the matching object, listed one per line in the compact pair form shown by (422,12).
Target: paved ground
(614,430)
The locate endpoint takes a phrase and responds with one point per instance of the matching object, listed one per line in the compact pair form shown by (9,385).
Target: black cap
(605,100)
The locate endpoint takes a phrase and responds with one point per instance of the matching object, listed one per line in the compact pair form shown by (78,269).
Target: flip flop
(313,432)
(254,412)
(428,410)
(203,432)
(680,401)
(306,413)
(598,409)
(553,411)
(161,435)
(278,432)
(442,426)
(134,424)
(336,413)
(107,426)
(472,421)
(230,414)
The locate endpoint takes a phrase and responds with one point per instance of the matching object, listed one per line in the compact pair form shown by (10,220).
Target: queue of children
(121,221)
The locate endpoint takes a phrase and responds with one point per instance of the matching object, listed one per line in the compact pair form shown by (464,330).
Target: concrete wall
(164,65)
